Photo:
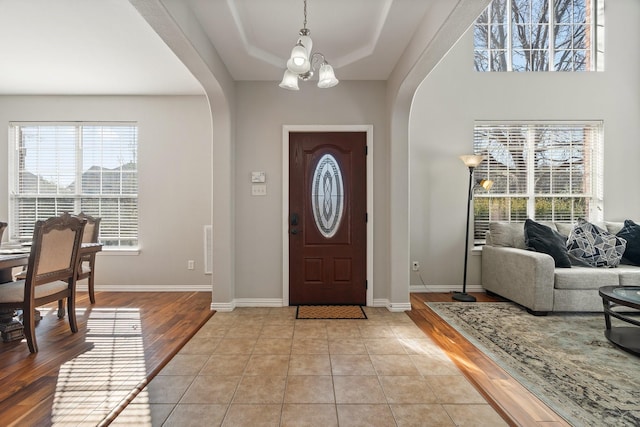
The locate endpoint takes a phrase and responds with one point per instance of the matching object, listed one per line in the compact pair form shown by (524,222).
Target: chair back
(92,229)
(3,226)
(54,251)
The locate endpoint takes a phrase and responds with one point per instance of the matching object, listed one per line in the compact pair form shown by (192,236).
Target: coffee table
(625,337)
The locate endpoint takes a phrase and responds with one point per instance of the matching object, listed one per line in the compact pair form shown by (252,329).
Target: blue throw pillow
(545,239)
(631,233)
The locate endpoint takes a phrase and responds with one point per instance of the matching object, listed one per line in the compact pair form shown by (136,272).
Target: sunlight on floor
(93,384)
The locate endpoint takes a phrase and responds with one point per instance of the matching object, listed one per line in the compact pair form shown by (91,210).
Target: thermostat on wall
(258,177)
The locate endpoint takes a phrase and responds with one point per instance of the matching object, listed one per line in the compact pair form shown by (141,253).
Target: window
(540,35)
(542,171)
(75,167)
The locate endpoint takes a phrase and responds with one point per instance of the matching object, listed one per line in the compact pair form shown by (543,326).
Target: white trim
(397,307)
(223,306)
(208,249)
(150,288)
(443,288)
(286,129)
(258,302)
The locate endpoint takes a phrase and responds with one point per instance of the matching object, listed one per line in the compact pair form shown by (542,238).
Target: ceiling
(106,47)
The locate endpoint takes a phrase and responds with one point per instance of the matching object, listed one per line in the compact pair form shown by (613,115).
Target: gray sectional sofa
(531,279)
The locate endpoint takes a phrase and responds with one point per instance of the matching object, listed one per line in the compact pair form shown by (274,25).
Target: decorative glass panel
(327,195)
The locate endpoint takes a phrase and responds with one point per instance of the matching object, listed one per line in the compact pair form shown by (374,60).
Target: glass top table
(625,337)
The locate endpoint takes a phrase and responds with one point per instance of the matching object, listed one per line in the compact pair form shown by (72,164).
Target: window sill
(119,252)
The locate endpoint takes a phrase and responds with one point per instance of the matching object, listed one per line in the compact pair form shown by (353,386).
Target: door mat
(330,312)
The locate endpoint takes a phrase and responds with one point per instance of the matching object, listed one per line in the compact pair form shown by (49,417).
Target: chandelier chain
(304,24)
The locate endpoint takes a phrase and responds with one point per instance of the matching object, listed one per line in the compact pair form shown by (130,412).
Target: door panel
(327,218)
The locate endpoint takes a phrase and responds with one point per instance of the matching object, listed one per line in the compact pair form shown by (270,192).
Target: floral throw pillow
(595,246)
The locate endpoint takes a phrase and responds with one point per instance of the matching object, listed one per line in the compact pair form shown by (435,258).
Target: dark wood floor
(514,402)
(28,382)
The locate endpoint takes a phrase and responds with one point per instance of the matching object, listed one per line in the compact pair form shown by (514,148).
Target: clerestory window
(540,35)
(75,167)
(543,171)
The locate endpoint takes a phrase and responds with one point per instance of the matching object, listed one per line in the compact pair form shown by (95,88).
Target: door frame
(286,129)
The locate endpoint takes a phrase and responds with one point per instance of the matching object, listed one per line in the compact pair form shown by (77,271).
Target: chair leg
(71,310)
(29,325)
(60,308)
(92,296)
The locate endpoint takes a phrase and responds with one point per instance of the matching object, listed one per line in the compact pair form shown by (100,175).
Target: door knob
(294,231)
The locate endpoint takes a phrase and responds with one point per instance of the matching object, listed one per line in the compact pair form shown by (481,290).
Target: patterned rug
(330,312)
(564,359)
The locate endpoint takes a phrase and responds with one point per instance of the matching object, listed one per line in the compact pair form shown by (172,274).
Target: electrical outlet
(191,264)
(415,266)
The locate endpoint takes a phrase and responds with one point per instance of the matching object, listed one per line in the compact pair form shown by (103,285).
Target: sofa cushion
(594,245)
(507,234)
(543,238)
(629,275)
(585,278)
(613,227)
(631,233)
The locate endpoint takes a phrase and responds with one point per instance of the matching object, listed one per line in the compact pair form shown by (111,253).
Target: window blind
(76,167)
(542,171)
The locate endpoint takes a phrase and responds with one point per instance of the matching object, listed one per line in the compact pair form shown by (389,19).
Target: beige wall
(453,96)
(262,110)
(174,152)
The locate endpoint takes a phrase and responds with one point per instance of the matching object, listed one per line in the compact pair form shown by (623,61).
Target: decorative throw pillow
(542,238)
(594,245)
(631,233)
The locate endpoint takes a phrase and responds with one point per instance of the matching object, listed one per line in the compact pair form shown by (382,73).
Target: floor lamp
(470,161)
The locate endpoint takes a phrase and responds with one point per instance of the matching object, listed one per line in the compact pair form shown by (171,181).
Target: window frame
(116,232)
(594,14)
(592,151)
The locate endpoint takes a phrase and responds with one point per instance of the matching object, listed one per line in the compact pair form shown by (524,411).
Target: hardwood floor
(514,402)
(31,384)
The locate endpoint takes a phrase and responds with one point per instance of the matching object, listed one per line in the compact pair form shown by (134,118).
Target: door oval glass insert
(327,195)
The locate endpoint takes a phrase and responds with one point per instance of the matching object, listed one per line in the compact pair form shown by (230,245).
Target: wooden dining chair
(51,274)
(88,262)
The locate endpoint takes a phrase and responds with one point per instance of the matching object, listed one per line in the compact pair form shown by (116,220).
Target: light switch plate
(259,190)
(258,177)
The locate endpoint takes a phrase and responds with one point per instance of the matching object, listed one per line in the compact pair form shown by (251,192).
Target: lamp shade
(471,161)
(307,43)
(289,81)
(327,78)
(299,61)
(485,183)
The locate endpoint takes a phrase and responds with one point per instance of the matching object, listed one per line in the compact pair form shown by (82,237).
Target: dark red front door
(327,218)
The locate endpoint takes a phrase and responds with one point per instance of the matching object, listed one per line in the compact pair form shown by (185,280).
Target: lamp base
(463,297)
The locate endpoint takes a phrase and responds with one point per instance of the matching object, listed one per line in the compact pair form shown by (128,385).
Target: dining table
(12,256)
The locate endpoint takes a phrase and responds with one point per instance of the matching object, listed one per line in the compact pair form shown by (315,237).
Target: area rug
(564,359)
(330,312)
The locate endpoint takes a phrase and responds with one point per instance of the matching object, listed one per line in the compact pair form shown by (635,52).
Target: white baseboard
(258,302)
(392,306)
(144,288)
(444,288)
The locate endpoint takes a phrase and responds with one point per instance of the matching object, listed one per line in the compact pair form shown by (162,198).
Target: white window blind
(76,167)
(542,171)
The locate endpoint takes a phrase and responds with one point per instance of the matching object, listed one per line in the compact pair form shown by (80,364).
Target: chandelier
(303,62)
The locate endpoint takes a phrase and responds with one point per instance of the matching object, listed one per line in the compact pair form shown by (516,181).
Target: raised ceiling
(106,47)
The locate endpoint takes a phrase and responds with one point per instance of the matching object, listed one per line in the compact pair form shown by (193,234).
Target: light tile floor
(262,367)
